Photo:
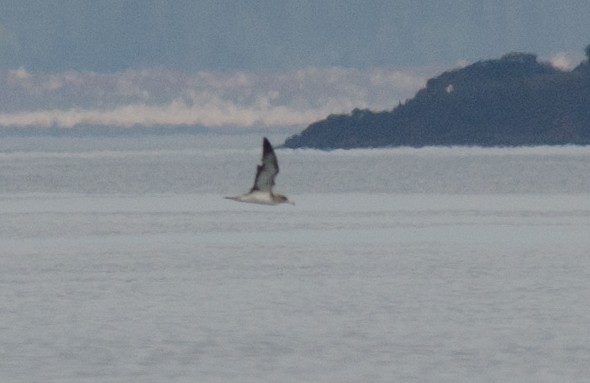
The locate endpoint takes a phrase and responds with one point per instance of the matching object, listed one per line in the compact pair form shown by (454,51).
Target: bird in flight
(266,172)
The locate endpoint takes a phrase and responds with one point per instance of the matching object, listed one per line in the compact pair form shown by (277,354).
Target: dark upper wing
(267,170)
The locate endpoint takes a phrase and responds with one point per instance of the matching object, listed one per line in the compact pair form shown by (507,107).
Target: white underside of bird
(262,198)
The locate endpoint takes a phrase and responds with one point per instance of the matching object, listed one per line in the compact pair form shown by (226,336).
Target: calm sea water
(122,262)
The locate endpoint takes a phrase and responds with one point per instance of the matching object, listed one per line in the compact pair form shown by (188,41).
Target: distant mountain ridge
(511,101)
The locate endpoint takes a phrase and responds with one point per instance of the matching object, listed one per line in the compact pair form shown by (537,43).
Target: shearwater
(266,172)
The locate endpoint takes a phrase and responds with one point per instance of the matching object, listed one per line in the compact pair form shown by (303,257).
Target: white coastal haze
(122,262)
(208,99)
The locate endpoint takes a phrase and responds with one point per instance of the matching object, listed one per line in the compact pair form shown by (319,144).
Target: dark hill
(507,102)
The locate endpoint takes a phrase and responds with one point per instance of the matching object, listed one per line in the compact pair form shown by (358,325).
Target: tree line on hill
(511,101)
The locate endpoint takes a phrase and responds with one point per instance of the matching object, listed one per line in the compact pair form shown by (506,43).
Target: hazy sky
(190,35)
(98,56)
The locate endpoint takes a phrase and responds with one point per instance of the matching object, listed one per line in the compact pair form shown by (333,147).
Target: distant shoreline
(511,101)
(117,131)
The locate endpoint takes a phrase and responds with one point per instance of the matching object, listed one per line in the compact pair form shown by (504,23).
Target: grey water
(121,261)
